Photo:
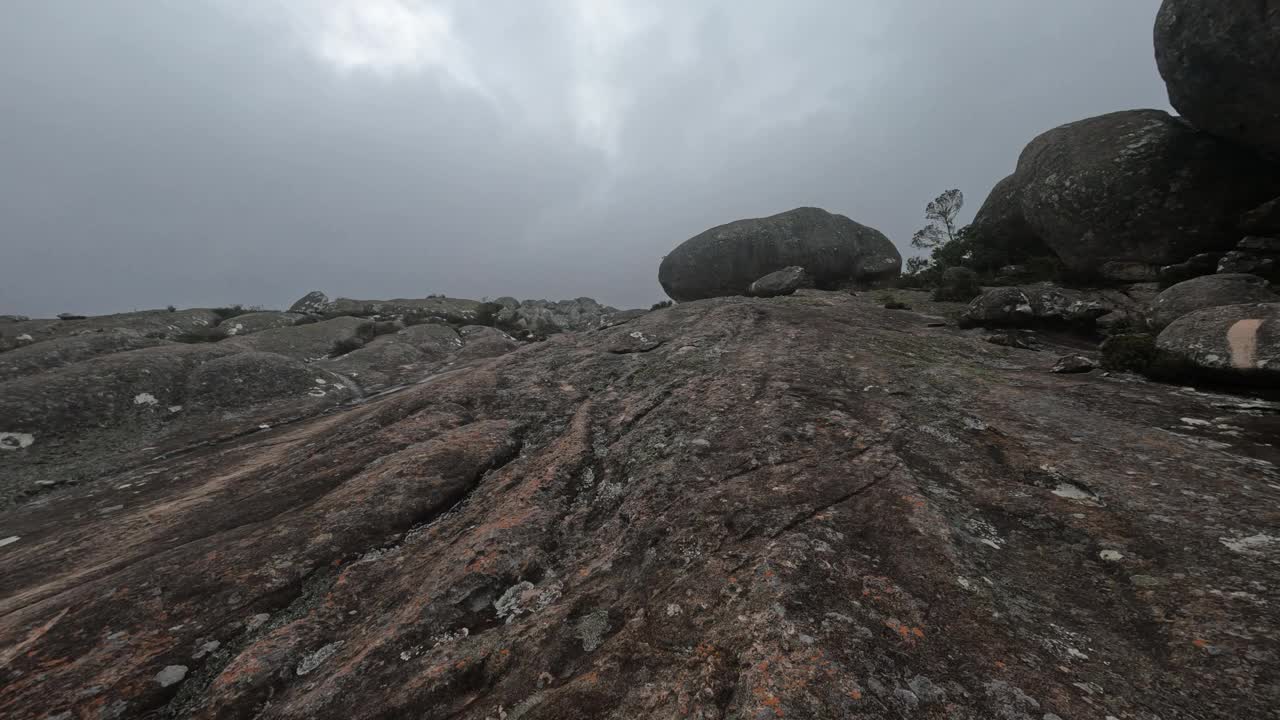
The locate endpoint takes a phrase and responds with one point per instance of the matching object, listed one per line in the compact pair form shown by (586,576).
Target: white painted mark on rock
(1242,338)
(9,540)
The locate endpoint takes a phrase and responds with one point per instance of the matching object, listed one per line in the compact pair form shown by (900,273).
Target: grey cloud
(205,152)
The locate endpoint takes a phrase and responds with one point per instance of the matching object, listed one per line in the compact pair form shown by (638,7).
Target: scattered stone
(171,675)
(1071,364)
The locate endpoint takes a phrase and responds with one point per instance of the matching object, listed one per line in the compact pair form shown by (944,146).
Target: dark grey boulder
(313,302)
(1240,261)
(1220,60)
(1262,220)
(781,282)
(726,259)
(1237,341)
(1129,192)
(1194,266)
(1205,292)
(250,379)
(1034,306)
(1000,222)
(60,351)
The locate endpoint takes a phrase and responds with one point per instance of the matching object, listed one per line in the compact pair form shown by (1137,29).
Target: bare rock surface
(804,507)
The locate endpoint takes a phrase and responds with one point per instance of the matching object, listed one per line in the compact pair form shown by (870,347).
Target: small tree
(916,265)
(941,214)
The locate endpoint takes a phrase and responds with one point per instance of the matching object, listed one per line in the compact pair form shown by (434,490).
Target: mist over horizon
(228,151)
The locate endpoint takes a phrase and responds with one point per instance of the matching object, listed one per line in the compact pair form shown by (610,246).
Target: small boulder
(1073,364)
(1219,61)
(726,259)
(1240,342)
(781,282)
(1204,292)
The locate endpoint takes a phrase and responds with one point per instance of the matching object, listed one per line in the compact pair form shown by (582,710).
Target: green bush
(1129,353)
(660,305)
(230,311)
(958,284)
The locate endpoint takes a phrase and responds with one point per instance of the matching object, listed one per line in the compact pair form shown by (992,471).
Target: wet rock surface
(726,259)
(796,507)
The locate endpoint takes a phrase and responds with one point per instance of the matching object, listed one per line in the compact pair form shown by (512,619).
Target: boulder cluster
(1140,200)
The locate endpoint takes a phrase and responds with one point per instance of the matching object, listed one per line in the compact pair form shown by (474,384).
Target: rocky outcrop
(546,317)
(1219,61)
(313,303)
(782,282)
(157,324)
(313,341)
(58,352)
(253,322)
(1233,342)
(804,509)
(1206,292)
(726,259)
(1035,306)
(1001,224)
(1139,189)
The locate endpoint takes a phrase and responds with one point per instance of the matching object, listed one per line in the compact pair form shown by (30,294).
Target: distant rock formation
(834,250)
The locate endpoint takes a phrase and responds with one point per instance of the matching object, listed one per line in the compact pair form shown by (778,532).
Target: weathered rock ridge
(803,507)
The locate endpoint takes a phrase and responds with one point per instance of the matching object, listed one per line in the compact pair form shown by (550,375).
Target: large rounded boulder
(1205,292)
(1241,342)
(1220,60)
(725,260)
(1123,194)
(1137,188)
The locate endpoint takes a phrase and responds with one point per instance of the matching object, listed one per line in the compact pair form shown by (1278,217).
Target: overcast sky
(201,152)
